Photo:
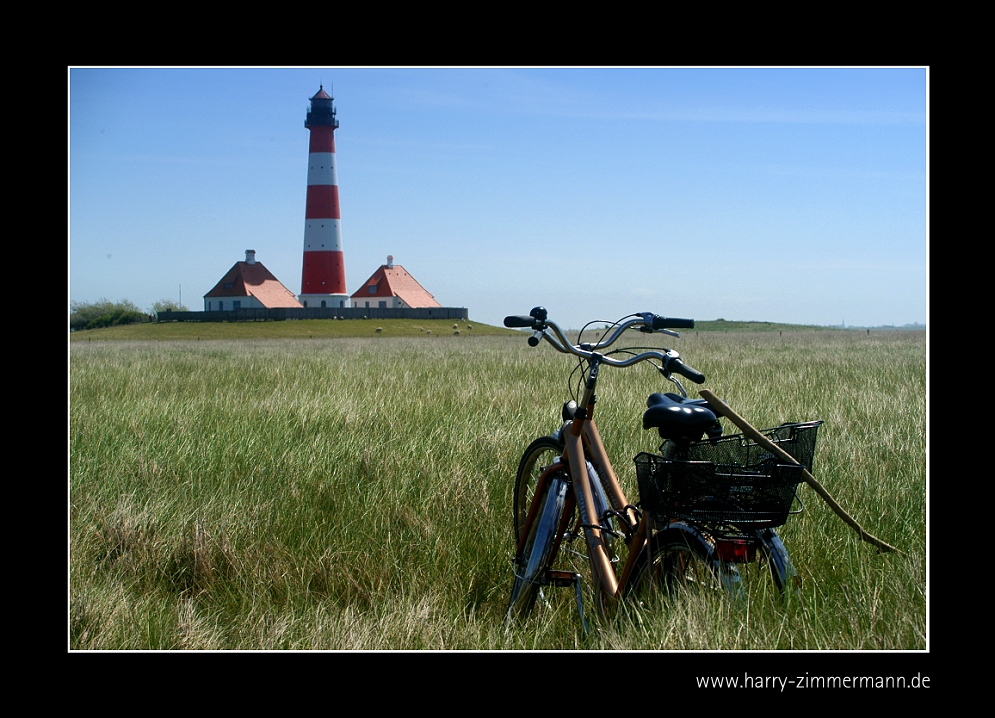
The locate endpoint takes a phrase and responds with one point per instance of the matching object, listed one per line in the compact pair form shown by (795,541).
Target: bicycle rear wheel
(775,555)
(679,561)
(536,556)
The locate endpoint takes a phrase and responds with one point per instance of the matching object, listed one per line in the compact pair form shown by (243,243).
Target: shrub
(103,313)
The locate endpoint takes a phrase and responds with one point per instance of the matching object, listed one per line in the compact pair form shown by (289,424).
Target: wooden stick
(766,443)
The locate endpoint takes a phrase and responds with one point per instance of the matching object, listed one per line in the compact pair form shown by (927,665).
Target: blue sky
(776,194)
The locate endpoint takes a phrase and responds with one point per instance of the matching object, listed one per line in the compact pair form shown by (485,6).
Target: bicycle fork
(605,582)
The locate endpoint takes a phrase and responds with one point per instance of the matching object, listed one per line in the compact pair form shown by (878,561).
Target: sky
(795,195)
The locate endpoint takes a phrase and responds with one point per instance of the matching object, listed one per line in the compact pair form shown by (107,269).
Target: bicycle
(707,502)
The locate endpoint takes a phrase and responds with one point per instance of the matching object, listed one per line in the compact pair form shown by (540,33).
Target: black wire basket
(730,480)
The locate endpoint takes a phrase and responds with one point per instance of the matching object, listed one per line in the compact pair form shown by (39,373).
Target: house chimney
(390,261)
(250,256)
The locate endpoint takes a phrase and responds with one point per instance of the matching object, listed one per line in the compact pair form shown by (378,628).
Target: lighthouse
(323,273)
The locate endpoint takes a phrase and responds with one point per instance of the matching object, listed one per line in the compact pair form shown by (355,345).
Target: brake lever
(647,327)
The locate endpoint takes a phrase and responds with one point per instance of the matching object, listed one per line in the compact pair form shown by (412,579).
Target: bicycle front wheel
(679,561)
(538,456)
(536,556)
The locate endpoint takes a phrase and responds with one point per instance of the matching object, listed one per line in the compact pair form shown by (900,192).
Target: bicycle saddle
(679,418)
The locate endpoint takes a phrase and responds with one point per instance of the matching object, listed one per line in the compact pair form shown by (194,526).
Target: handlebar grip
(672,323)
(518,321)
(684,370)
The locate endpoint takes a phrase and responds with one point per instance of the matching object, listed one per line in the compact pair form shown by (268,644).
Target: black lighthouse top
(322,111)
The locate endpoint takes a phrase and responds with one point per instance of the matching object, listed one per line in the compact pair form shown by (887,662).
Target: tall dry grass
(355,494)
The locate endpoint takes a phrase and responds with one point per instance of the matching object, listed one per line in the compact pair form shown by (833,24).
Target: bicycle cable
(575,387)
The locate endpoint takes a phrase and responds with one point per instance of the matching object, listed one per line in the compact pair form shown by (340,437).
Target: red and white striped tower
(323,275)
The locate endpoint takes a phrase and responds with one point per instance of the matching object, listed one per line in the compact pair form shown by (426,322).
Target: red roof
(254,280)
(394,281)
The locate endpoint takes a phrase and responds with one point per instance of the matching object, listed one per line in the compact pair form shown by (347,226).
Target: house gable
(393,281)
(250,279)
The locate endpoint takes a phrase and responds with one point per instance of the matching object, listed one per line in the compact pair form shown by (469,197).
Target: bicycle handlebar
(676,365)
(647,321)
(520,322)
(653,322)
(671,323)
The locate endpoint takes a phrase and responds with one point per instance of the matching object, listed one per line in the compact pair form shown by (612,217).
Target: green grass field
(303,492)
(302,329)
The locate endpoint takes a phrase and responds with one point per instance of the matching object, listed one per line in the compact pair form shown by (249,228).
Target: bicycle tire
(536,556)
(681,560)
(775,555)
(536,458)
